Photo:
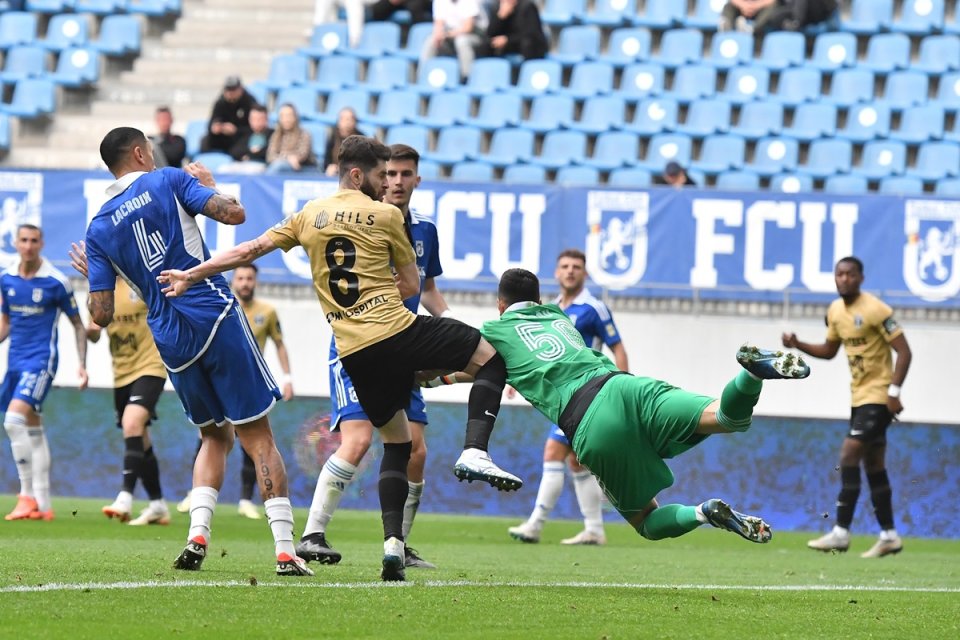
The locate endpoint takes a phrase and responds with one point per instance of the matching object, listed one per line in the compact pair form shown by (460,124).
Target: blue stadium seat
(196,130)
(759,120)
(746,84)
(32,98)
(77,67)
(782,49)
(901,186)
(706,15)
(304,100)
(738,181)
(599,114)
(869,16)
(706,117)
(920,124)
(774,155)
(611,13)
(356,99)
(846,184)
(428,169)
(882,158)
(919,17)
(679,47)
(549,112)
(259,91)
(498,110)
(954,133)
(614,149)
(936,160)
(395,107)
(336,72)
(100,7)
(560,13)
(119,36)
(416,36)
(24,61)
(48,6)
(318,137)
(488,75)
(576,44)
(694,81)
(17,27)
(948,93)
(832,51)
(886,52)
(866,121)
(905,89)
(730,49)
(508,146)
(329,38)
(378,39)
(578,176)
(287,70)
(798,85)
(938,55)
(827,157)
(415,135)
(812,120)
(948,187)
(850,86)
(666,147)
(438,74)
(384,74)
(472,172)
(213,160)
(640,81)
(153,8)
(537,77)
(525,174)
(662,14)
(630,177)
(561,148)
(654,115)
(590,79)
(445,110)
(66,30)
(791,183)
(455,144)
(721,153)
(627,45)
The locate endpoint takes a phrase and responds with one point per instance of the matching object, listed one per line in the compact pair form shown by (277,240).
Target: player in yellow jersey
(865,326)
(354,243)
(138,379)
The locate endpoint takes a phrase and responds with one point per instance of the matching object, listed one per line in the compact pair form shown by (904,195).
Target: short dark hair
(118,143)
(857,262)
(31,227)
(576,254)
(163,109)
(518,285)
(247,265)
(361,152)
(401,152)
(258,107)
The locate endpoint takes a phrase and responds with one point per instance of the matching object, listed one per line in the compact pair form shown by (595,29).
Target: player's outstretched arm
(4,326)
(179,281)
(100,306)
(431,379)
(81,334)
(827,350)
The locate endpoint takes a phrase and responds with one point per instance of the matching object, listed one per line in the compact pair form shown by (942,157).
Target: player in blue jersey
(149,225)
(34,294)
(348,417)
(593,320)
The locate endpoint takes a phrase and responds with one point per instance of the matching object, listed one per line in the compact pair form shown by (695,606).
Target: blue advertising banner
(663,241)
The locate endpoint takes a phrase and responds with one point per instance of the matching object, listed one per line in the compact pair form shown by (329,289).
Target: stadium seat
(549,112)
(599,114)
(611,13)
(774,155)
(32,98)
(812,120)
(791,183)
(577,176)
(196,130)
(77,67)
(119,36)
(759,119)
(936,160)
(886,52)
(214,160)
(797,86)
(706,15)
(153,8)
(508,146)
(869,16)
(561,148)
(590,79)
(954,133)
(730,49)
(259,91)
(721,153)
(639,81)
(738,181)
(827,157)
(386,73)
(850,86)
(654,115)
(318,137)
(437,74)
(882,158)
(304,100)
(444,110)
(865,122)
(17,27)
(627,45)
(336,72)
(416,36)
(920,124)
(666,147)
(414,135)
(395,107)
(356,99)
(428,169)
(24,61)
(327,39)
(488,75)
(66,30)
(100,7)
(948,93)
(525,174)
(706,117)
(901,186)
(576,44)
(948,187)
(614,149)
(662,14)
(745,84)
(560,13)
(630,177)
(48,6)
(472,172)
(679,47)
(905,89)
(694,81)
(537,77)
(498,110)
(782,49)
(832,51)
(938,55)
(287,70)
(846,184)
(378,39)
(455,144)
(919,17)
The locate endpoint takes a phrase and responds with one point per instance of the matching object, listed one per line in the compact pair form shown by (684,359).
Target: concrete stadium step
(184,80)
(286,41)
(211,54)
(120,95)
(36,157)
(182,113)
(283,5)
(260,16)
(210,72)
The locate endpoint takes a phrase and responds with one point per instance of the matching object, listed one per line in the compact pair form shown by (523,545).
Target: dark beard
(367,188)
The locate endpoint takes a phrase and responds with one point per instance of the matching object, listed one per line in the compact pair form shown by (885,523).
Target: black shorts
(383,373)
(144,391)
(869,422)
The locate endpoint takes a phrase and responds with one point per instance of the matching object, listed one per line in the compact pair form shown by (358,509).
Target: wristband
(447,313)
(893,391)
(287,378)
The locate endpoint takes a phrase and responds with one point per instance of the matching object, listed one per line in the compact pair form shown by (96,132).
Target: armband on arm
(439,381)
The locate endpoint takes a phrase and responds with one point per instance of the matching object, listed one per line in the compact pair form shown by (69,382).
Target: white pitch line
(155,584)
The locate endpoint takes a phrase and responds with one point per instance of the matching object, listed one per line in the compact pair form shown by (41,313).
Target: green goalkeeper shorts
(630,427)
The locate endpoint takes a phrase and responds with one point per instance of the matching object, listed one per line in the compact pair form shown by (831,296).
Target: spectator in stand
(346,126)
(228,121)
(799,14)
(251,147)
(675,176)
(325,11)
(752,16)
(169,149)
(459,28)
(290,148)
(515,27)
(420,10)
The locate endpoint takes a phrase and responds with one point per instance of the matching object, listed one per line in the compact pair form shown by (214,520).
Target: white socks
(414,491)
(203,500)
(590,497)
(551,486)
(280,516)
(16,426)
(41,467)
(334,478)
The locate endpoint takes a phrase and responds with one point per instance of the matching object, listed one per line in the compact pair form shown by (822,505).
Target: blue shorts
(345,406)
(28,386)
(557,434)
(230,382)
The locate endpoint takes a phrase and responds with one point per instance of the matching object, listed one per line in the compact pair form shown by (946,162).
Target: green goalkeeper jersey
(547,360)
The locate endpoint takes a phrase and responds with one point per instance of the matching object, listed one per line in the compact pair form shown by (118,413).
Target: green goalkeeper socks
(669,521)
(739,398)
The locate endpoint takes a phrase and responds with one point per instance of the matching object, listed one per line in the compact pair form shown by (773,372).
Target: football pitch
(82,576)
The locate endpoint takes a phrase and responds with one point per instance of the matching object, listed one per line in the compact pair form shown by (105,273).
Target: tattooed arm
(81,335)
(244,253)
(100,306)
(225,209)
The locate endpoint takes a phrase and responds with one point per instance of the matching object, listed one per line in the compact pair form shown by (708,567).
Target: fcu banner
(659,242)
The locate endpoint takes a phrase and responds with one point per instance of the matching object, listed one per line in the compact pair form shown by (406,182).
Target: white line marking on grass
(156,584)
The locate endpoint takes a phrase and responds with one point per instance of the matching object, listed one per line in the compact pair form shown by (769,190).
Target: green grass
(709,584)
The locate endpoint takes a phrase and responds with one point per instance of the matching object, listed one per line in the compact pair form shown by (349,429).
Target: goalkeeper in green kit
(621,426)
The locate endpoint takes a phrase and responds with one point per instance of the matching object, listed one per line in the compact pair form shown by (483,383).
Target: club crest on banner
(617,237)
(20,198)
(931,254)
